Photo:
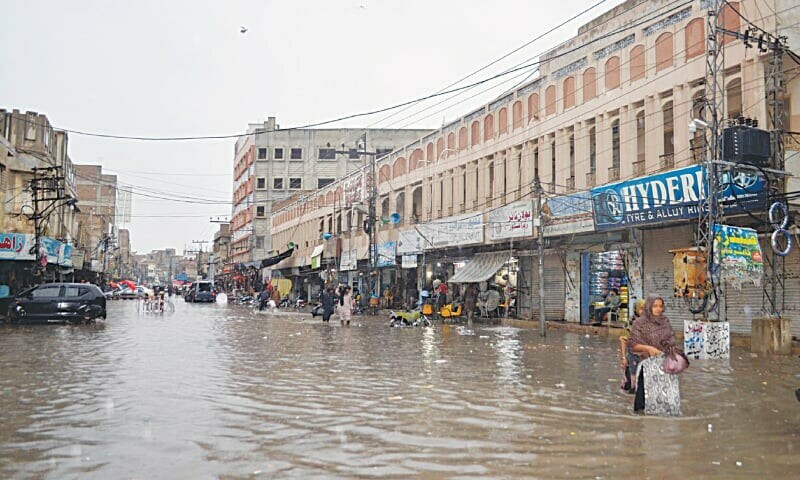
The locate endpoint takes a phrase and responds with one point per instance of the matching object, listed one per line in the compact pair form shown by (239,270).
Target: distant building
(271,165)
(97,197)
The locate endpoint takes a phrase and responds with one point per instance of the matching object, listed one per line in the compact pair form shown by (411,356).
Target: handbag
(675,363)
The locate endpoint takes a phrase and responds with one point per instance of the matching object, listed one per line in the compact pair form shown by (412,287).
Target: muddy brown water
(220,392)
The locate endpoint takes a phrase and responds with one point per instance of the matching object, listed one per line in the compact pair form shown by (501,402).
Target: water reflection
(222,392)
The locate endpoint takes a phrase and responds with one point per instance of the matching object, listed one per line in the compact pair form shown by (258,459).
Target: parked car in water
(201,291)
(58,303)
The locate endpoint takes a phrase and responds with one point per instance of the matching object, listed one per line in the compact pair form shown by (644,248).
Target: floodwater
(215,391)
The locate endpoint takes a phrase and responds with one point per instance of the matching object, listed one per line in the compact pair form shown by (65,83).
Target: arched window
(729,13)
(695,38)
(550,100)
(384,174)
(399,167)
(533,107)
(451,141)
(488,128)
(589,84)
(475,132)
(462,138)
(612,73)
(416,158)
(664,51)
(637,62)
(416,204)
(502,121)
(516,113)
(569,92)
(400,206)
(429,156)
(439,149)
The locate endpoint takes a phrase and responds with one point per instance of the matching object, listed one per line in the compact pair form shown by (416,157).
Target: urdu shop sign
(675,195)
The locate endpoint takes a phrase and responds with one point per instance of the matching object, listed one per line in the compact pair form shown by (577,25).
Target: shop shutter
(555,291)
(746,304)
(657,268)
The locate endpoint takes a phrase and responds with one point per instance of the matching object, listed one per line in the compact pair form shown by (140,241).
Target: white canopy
(480,268)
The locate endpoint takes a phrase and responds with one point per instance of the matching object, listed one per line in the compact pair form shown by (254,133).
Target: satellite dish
(326,236)
(395,218)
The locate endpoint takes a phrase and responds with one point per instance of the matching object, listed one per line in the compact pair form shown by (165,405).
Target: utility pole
(199,253)
(46,191)
(540,239)
(373,198)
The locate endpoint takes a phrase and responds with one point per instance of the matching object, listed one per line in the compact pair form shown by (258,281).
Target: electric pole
(46,191)
(540,239)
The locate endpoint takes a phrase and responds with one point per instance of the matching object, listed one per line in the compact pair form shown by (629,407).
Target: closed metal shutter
(745,305)
(658,272)
(554,289)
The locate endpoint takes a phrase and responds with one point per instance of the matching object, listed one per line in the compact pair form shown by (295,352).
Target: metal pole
(540,239)
(373,248)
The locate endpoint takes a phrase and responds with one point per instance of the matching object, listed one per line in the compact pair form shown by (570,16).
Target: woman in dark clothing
(652,338)
(327,304)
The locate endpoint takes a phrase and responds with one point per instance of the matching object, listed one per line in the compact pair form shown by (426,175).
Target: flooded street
(220,392)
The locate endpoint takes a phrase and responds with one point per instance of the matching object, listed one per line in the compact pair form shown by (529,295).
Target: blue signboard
(675,195)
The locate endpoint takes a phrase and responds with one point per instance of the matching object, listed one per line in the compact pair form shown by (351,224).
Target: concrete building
(271,165)
(222,256)
(97,196)
(30,144)
(609,110)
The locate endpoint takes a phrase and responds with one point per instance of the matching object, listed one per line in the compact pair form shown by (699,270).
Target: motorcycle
(409,318)
(284,303)
(299,304)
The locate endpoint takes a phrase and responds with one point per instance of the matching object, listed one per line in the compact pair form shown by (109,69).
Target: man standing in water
(327,301)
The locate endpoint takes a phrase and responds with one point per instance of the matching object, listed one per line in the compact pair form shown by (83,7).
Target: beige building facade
(610,105)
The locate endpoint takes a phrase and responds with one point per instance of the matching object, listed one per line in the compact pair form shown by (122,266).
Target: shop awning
(480,268)
(316,254)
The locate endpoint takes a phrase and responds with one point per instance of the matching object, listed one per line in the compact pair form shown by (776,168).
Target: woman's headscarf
(652,330)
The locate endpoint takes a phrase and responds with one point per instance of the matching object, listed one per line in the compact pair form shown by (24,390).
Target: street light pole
(540,241)
(373,198)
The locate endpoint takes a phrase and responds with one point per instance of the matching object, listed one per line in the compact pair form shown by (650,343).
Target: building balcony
(571,184)
(591,180)
(613,174)
(666,161)
(639,168)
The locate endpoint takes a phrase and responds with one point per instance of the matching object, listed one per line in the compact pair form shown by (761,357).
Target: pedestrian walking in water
(328,303)
(345,306)
(652,337)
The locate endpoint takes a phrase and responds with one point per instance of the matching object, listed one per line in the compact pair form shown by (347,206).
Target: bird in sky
(242,29)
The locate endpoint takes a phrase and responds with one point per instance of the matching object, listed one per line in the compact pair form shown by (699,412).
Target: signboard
(739,254)
(511,221)
(409,261)
(65,255)
(349,260)
(466,229)
(674,195)
(354,188)
(409,241)
(568,214)
(706,339)
(12,246)
(19,246)
(386,254)
(78,257)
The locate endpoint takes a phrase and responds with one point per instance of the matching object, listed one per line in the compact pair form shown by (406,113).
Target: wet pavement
(220,392)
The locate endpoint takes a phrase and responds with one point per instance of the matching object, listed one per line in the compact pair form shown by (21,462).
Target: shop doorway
(605,272)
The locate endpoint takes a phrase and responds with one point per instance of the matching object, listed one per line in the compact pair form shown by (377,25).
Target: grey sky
(181,68)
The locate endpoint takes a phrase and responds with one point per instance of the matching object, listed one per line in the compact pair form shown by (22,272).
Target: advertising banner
(386,254)
(349,260)
(739,255)
(12,246)
(511,221)
(354,188)
(568,214)
(675,195)
(409,261)
(466,229)
(78,257)
(65,255)
(409,241)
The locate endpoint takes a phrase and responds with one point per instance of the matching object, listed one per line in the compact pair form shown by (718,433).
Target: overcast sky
(182,68)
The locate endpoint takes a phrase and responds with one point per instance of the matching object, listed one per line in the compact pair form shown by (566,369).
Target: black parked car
(58,303)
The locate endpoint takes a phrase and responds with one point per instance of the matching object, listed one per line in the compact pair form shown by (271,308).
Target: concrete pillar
(581,155)
(682,113)
(603,126)
(627,141)
(771,335)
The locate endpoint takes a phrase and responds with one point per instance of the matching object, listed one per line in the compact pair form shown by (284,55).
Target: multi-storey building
(604,130)
(30,145)
(97,197)
(271,164)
